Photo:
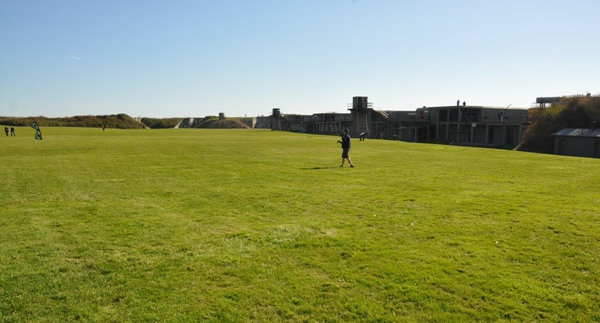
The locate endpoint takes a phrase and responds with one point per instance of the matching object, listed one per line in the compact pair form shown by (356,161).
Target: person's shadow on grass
(319,167)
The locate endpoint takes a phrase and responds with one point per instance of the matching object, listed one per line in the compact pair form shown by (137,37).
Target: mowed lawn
(238,225)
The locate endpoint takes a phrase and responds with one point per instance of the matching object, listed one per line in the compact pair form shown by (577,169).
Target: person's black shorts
(345,152)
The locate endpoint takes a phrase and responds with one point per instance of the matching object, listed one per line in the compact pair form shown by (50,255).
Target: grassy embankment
(246,224)
(120,121)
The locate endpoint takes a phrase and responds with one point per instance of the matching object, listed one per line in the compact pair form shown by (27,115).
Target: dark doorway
(562,146)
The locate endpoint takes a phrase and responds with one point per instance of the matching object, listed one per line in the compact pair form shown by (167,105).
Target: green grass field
(237,225)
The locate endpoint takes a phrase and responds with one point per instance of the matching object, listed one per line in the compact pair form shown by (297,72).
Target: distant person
(458,103)
(464,103)
(103,126)
(12,131)
(346,147)
(6,130)
(362,136)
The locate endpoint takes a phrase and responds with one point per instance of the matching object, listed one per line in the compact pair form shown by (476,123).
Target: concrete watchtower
(276,119)
(360,114)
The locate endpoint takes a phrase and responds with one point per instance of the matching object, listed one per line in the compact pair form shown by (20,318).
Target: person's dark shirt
(346,141)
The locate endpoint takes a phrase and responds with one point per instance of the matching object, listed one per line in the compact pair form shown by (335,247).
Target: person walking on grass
(346,147)
(12,131)
(6,130)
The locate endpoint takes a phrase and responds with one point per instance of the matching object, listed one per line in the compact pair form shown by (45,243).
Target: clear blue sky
(196,58)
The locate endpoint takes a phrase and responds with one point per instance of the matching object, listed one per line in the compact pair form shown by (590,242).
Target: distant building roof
(578,132)
(547,99)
